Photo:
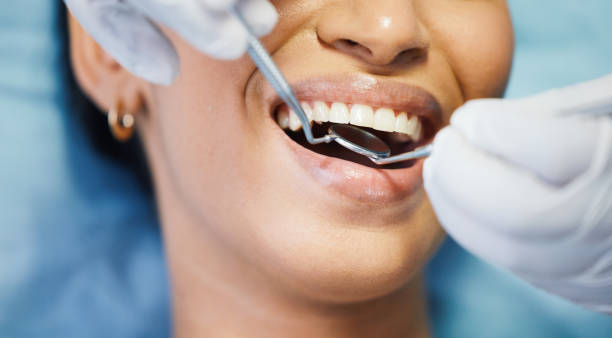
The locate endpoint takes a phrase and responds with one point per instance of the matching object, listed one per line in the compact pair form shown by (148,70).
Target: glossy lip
(352,180)
(362,90)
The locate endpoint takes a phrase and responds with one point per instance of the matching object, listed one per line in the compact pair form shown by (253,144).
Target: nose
(379,33)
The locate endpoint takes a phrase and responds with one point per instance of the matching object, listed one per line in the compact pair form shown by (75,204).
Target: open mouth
(402,131)
(403,115)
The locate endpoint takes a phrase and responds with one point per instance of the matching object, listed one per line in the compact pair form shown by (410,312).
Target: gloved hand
(527,186)
(126,30)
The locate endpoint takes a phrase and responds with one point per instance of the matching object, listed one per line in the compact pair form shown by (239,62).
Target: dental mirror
(371,146)
(359,141)
(350,137)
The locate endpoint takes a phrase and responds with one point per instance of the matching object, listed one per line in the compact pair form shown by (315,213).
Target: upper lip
(350,88)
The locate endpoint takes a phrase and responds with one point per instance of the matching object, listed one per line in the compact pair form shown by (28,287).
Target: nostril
(384,56)
(412,55)
(352,47)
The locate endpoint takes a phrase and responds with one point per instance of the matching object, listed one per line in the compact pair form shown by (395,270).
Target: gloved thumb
(557,149)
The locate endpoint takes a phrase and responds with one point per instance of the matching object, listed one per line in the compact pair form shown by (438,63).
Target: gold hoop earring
(121,124)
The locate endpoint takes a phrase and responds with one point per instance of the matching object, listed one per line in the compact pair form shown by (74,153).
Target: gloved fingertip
(219,5)
(232,53)
(161,67)
(231,45)
(427,171)
(165,78)
(466,117)
(445,146)
(441,137)
(261,16)
(473,108)
(160,75)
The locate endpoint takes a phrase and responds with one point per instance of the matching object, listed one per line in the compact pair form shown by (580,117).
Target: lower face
(320,223)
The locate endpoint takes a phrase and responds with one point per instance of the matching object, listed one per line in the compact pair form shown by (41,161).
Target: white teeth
(384,120)
(414,127)
(410,126)
(306,108)
(400,122)
(294,121)
(283,119)
(339,113)
(320,112)
(291,120)
(406,126)
(362,115)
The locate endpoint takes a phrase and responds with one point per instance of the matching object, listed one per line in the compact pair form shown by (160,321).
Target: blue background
(80,251)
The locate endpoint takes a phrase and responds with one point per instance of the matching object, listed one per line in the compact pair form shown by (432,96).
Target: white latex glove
(126,30)
(529,189)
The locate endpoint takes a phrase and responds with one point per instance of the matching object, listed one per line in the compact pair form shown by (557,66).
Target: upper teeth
(383,119)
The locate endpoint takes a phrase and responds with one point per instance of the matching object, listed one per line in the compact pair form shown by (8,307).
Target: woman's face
(317,222)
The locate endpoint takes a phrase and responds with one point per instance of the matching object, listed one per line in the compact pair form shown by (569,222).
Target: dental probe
(268,68)
(348,136)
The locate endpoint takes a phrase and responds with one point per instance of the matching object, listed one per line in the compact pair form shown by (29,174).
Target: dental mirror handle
(421,152)
(268,68)
(597,109)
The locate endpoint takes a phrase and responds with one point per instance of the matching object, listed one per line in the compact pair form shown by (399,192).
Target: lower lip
(355,181)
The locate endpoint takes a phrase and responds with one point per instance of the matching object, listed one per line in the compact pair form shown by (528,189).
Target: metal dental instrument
(348,136)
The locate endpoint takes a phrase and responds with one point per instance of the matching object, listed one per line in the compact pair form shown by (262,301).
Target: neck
(216,294)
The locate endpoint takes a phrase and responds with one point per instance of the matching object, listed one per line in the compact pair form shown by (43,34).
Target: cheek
(477,39)
(196,121)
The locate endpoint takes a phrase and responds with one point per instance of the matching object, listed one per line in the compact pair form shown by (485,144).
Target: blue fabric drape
(80,249)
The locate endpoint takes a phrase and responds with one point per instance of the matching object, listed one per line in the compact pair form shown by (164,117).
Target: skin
(254,248)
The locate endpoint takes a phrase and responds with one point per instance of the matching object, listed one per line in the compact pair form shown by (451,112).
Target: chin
(340,264)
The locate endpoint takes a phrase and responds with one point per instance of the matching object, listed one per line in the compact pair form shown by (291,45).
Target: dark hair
(130,154)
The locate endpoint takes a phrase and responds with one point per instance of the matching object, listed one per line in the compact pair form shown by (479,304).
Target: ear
(100,76)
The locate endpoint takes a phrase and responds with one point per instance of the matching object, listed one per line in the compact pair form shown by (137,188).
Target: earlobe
(102,78)
(121,123)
